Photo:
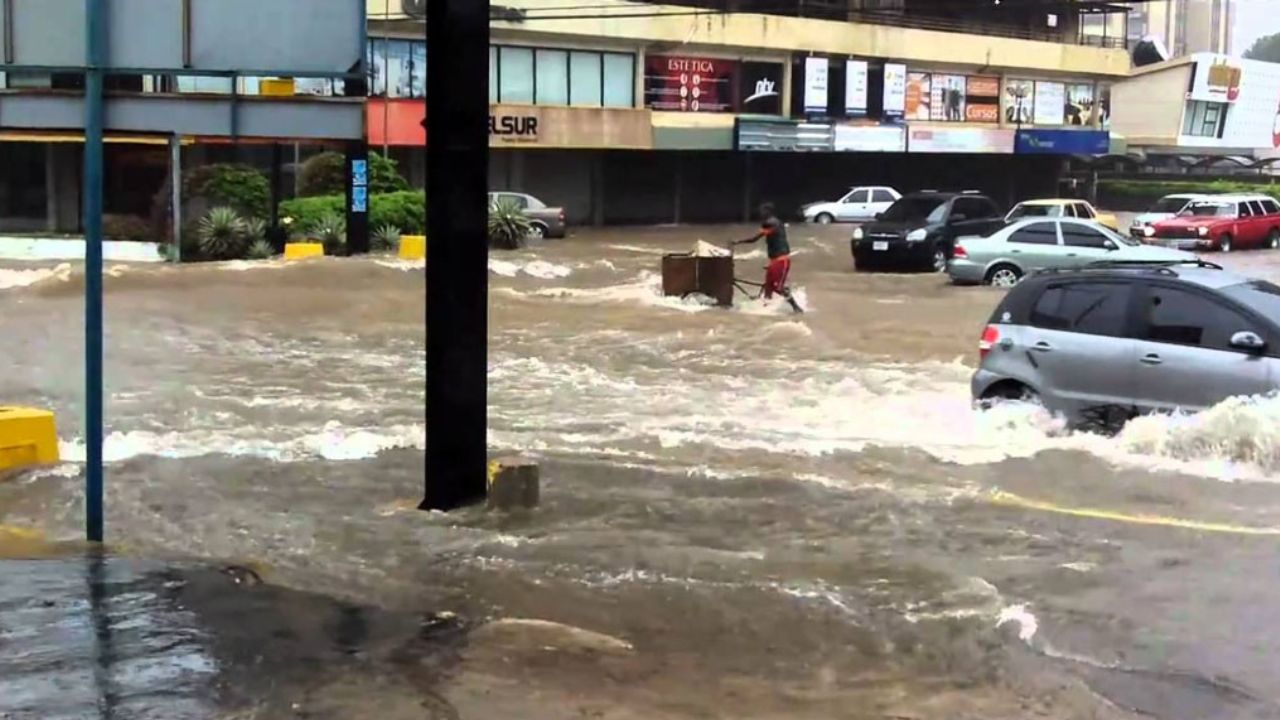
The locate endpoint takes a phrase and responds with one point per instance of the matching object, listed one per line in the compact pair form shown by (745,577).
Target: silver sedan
(1024,246)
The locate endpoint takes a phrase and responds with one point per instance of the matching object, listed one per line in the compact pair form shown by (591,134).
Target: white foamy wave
(1019,615)
(1239,437)
(25,278)
(540,269)
(402,265)
(246,265)
(334,441)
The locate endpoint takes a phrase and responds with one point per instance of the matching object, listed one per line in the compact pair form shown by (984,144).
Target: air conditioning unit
(1149,51)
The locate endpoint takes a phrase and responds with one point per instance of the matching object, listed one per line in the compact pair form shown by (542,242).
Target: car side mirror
(879,216)
(1109,245)
(1248,341)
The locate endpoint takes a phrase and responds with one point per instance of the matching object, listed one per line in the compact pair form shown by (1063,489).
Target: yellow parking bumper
(28,437)
(298,251)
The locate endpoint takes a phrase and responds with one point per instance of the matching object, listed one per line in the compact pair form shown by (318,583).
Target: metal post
(175,176)
(457,273)
(95,38)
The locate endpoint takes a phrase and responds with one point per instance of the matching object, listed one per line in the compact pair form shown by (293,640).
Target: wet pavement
(747,513)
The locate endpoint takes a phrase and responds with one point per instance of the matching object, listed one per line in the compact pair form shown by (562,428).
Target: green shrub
(255,231)
(1146,191)
(404,210)
(332,231)
(126,227)
(386,237)
(508,227)
(325,174)
(260,250)
(222,235)
(239,187)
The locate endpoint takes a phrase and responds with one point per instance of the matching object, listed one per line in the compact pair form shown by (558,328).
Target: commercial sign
(566,127)
(1050,103)
(1253,121)
(1062,142)
(1081,105)
(947,98)
(1019,99)
(918,96)
(781,135)
(870,138)
(816,83)
(855,88)
(928,139)
(895,90)
(1217,78)
(696,84)
(982,99)
(943,97)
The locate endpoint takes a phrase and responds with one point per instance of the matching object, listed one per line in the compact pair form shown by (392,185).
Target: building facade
(695,111)
(1184,26)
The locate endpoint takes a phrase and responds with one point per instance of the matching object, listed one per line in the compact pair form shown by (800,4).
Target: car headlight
(1148,231)
(1203,231)
(917,235)
(857,233)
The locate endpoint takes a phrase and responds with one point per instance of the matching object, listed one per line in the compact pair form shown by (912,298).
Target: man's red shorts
(775,275)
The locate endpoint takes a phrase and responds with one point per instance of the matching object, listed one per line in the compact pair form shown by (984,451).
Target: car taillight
(960,252)
(561,216)
(990,336)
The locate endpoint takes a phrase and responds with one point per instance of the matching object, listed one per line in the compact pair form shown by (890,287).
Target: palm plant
(221,234)
(508,227)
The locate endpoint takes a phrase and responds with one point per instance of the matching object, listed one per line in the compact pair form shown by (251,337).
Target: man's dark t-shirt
(775,235)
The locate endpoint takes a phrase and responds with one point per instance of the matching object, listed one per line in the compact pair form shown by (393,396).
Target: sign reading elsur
(699,84)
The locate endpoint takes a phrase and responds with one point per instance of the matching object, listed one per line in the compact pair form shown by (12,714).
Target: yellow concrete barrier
(413,247)
(298,251)
(28,437)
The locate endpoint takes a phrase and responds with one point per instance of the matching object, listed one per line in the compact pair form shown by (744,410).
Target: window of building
(547,76)
(397,68)
(1204,119)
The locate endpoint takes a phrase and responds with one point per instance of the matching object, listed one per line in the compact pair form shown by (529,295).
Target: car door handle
(1042,346)
(1151,359)
(1015,252)
(1071,254)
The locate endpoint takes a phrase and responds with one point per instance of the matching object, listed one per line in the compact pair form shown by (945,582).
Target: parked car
(1221,222)
(1165,208)
(919,229)
(1007,255)
(546,221)
(860,203)
(1103,343)
(1061,207)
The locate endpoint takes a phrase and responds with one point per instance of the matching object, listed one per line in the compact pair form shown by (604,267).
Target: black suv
(920,229)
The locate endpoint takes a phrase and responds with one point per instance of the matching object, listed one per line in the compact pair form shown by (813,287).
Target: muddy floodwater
(746,513)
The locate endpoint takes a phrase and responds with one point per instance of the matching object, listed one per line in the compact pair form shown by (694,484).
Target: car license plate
(880,245)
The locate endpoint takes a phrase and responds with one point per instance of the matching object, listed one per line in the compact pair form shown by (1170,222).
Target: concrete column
(679,189)
(597,188)
(50,188)
(640,60)
(515,170)
(786,87)
(175,181)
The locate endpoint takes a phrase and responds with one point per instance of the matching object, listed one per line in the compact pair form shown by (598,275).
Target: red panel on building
(396,122)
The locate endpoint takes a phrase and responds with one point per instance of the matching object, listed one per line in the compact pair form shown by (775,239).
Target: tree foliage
(1266,48)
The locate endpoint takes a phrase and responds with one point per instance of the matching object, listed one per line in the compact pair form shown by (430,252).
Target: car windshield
(1204,209)
(1262,296)
(1169,205)
(916,209)
(1035,211)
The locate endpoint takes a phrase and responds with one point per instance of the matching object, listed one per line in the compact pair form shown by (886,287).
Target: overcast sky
(1254,18)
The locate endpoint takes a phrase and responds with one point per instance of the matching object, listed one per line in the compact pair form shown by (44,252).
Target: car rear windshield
(1203,209)
(1262,296)
(1169,205)
(1035,211)
(916,209)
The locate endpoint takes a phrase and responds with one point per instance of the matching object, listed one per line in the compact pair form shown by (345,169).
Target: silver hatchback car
(1104,343)
(1024,246)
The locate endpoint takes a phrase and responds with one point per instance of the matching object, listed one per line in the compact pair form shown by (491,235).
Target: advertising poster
(960,140)
(815,85)
(948,99)
(1080,104)
(1217,78)
(1051,99)
(982,99)
(758,88)
(895,90)
(689,84)
(1018,101)
(918,96)
(855,88)
(870,138)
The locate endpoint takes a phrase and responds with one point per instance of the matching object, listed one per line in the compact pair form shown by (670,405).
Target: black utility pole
(458,254)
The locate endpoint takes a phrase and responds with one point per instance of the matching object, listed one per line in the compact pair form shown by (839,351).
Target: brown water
(747,513)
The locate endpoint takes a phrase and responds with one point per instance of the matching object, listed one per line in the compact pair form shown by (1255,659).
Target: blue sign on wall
(1063,142)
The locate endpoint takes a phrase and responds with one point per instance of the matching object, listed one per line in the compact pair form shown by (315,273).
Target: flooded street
(746,512)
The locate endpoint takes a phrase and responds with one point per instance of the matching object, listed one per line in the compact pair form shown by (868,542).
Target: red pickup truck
(1221,222)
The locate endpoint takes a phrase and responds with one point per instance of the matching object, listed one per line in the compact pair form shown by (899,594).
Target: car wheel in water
(939,259)
(824,218)
(1010,391)
(1004,276)
(537,231)
(1273,240)
(1224,243)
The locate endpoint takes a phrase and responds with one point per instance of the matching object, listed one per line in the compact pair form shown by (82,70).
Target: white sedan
(860,203)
